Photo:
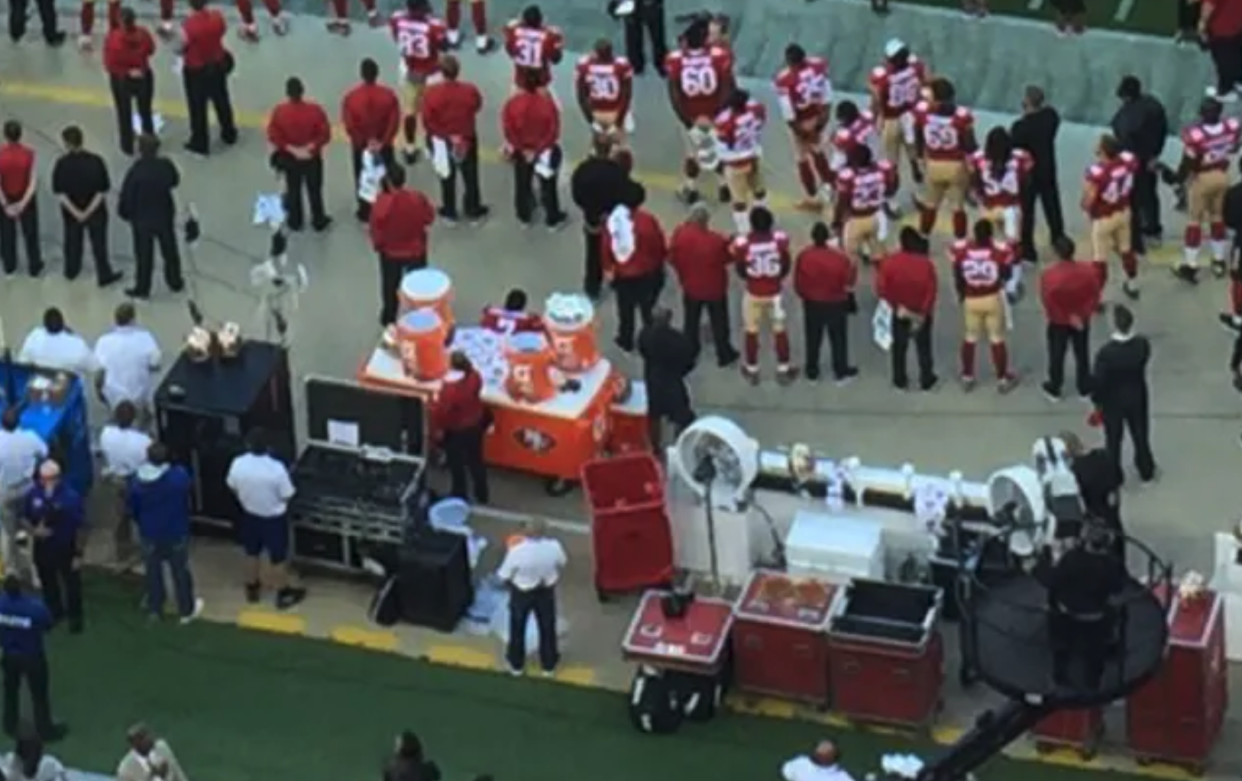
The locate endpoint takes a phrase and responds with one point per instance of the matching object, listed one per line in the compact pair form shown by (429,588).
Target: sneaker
(85,43)
(558,224)
(1230,322)
(479,216)
(786,375)
(968,383)
(930,384)
(1050,393)
(1219,269)
(516,672)
(1187,274)
(1131,289)
(751,374)
(194,613)
(1007,383)
(280,25)
(848,376)
(289,597)
(446,217)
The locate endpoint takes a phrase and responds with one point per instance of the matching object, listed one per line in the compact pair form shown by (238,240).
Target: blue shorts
(261,535)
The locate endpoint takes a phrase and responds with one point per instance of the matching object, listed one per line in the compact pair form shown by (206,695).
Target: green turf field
(243,706)
(1157,17)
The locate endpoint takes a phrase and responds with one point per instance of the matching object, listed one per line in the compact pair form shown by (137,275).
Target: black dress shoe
(55,39)
(195,149)
(36,270)
(322,224)
(228,139)
(176,286)
(134,292)
(111,278)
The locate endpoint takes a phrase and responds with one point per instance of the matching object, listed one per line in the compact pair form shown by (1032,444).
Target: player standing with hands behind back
(1107,190)
(896,88)
(763,263)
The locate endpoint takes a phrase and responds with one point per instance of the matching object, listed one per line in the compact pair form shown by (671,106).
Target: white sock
(741,221)
(1190,257)
(481,41)
(453,37)
(1220,250)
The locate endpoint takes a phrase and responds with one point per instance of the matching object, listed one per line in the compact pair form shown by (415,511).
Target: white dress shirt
(262,485)
(533,562)
(803,768)
(128,356)
(64,351)
(123,450)
(20,452)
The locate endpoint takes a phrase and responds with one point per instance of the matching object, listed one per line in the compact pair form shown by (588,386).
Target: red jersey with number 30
(862,192)
(764,261)
(1113,181)
(804,91)
(1001,189)
(1209,147)
(898,90)
(605,82)
(944,135)
(699,78)
(533,49)
(420,39)
(980,270)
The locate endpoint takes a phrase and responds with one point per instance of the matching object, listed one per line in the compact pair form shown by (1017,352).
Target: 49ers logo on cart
(534,440)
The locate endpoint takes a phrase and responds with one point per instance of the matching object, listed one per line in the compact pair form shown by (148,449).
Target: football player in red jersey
(700,80)
(854,128)
(739,131)
(999,175)
(533,46)
(483,42)
(1107,189)
(805,96)
(604,84)
(421,38)
(763,262)
(862,190)
(1208,147)
(896,88)
(984,272)
(512,317)
(944,136)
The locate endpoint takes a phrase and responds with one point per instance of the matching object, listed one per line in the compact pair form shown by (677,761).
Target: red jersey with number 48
(605,82)
(1001,189)
(419,40)
(804,91)
(944,135)
(763,260)
(1210,147)
(863,191)
(699,78)
(533,49)
(980,270)
(898,91)
(1113,181)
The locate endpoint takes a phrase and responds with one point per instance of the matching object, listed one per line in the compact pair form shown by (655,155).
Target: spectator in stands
(27,762)
(124,450)
(159,501)
(149,758)
(54,346)
(263,489)
(408,762)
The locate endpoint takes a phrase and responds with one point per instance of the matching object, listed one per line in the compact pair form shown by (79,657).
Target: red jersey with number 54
(944,135)
(605,82)
(1209,147)
(1001,188)
(699,78)
(533,49)
(420,39)
(764,261)
(863,191)
(980,269)
(804,91)
(1113,182)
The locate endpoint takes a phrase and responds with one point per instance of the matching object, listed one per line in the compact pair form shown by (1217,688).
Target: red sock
(820,160)
(968,359)
(1101,271)
(806,175)
(245,9)
(368,6)
(87,17)
(478,15)
(166,10)
(339,9)
(959,224)
(1129,264)
(781,339)
(1000,359)
(927,220)
(452,15)
(1217,231)
(751,350)
(273,7)
(626,159)
(1193,237)
(114,15)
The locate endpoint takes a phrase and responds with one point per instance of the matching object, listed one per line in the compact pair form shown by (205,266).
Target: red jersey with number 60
(1113,181)
(980,269)
(863,191)
(804,90)
(898,90)
(533,49)
(605,82)
(699,78)
(420,39)
(764,262)
(1001,188)
(944,135)
(1209,147)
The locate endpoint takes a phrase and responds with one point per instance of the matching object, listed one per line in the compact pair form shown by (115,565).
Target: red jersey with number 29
(763,261)
(1113,181)
(419,41)
(980,270)
(533,49)
(604,82)
(864,191)
(699,77)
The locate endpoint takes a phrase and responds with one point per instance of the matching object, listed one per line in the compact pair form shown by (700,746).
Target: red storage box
(780,637)
(1177,716)
(1080,730)
(695,643)
(630,534)
(627,422)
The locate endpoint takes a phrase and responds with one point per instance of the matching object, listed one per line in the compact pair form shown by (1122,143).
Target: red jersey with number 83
(533,49)
(980,270)
(604,82)
(419,40)
(699,76)
(1113,181)
(763,261)
(864,191)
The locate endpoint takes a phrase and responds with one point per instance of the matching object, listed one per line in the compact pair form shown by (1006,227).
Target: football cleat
(1187,274)
(1131,289)
(968,383)
(280,25)
(85,43)
(1219,269)
(1007,383)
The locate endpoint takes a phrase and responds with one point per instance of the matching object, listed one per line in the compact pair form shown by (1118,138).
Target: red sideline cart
(630,534)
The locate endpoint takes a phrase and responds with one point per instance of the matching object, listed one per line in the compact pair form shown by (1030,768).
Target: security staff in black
(1142,126)
(1120,393)
(668,358)
(147,203)
(637,16)
(1036,133)
(80,182)
(24,621)
(595,186)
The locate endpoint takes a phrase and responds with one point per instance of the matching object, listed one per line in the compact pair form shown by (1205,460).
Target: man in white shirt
(823,765)
(53,346)
(531,568)
(128,357)
(20,454)
(149,758)
(123,449)
(263,489)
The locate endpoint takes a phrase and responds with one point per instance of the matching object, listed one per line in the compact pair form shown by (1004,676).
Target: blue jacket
(23,622)
(61,510)
(159,499)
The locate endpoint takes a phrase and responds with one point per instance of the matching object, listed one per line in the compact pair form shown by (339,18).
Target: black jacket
(1099,484)
(596,185)
(1082,582)
(1120,377)
(146,197)
(668,358)
(1036,133)
(1142,127)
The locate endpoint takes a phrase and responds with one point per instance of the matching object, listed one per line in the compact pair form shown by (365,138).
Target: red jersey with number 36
(605,82)
(764,261)
(699,77)
(804,91)
(533,49)
(1113,181)
(898,90)
(980,270)
(863,191)
(419,40)
(1001,189)
(1209,147)
(944,135)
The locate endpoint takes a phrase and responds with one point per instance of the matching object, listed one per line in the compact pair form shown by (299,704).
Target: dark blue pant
(176,555)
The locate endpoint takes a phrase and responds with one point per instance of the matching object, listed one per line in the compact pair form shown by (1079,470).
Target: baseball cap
(893,46)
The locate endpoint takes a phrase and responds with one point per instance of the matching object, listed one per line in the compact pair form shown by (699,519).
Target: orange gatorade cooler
(428,288)
(570,322)
(421,336)
(531,366)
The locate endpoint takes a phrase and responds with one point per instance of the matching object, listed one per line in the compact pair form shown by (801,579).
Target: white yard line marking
(1124,9)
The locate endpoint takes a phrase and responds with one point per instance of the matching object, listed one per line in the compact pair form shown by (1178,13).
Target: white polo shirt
(64,351)
(261,484)
(128,356)
(123,450)
(803,768)
(20,452)
(533,562)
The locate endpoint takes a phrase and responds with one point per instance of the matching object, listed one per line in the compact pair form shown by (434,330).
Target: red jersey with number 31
(863,191)
(699,77)
(605,82)
(533,49)
(804,90)
(1113,181)
(763,261)
(419,40)
(981,270)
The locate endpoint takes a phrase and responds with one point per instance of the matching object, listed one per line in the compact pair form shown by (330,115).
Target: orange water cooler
(532,368)
(570,322)
(428,288)
(421,337)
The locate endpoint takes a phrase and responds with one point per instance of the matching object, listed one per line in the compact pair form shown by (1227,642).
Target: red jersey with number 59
(533,49)
(863,191)
(420,39)
(980,269)
(1001,188)
(804,91)
(944,135)
(605,82)
(1209,147)
(763,260)
(1113,181)
(699,78)
(898,90)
